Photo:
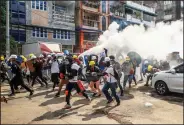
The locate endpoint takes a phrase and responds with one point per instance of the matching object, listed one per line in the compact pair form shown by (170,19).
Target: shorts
(55,77)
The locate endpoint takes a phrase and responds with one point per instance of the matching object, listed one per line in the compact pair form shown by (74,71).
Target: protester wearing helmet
(3,70)
(132,72)
(17,79)
(38,71)
(118,69)
(126,68)
(110,83)
(72,70)
(150,70)
(54,71)
(92,71)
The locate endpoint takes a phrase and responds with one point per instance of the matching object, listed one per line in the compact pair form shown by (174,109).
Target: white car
(169,81)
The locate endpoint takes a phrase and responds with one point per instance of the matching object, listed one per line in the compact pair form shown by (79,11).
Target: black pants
(55,79)
(69,88)
(111,86)
(18,80)
(39,75)
(120,87)
(148,78)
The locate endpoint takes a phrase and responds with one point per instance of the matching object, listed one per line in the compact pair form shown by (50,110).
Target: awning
(49,47)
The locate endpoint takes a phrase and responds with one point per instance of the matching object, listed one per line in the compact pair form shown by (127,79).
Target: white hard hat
(107,59)
(13,56)
(93,57)
(48,56)
(146,62)
(33,57)
(41,56)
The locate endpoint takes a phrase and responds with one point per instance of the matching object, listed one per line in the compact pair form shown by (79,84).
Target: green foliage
(13,44)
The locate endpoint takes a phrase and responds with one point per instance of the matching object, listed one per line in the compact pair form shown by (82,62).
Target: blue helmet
(66,52)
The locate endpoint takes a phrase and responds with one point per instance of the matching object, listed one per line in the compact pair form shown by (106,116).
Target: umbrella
(136,56)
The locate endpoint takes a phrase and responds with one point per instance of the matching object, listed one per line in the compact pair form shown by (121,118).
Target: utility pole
(7,30)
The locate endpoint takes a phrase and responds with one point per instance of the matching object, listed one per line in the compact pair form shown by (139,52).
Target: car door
(176,80)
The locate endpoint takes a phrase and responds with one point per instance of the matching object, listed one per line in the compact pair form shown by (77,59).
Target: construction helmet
(33,57)
(127,58)
(30,55)
(2,58)
(75,57)
(92,63)
(150,68)
(107,59)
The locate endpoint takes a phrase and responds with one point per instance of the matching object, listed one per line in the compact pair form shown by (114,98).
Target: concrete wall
(44,19)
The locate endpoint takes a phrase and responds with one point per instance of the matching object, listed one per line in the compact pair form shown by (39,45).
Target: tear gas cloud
(157,41)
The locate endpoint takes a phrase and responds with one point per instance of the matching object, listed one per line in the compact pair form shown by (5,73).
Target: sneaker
(11,94)
(118,104)
(67,106)
(146,85)
(109,102)
(57,95)
(31,93)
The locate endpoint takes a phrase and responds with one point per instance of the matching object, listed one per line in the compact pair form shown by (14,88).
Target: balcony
(91,5)
(90,24)
(140,7)
(168,17)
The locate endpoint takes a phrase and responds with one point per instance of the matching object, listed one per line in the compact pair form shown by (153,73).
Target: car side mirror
(173,71)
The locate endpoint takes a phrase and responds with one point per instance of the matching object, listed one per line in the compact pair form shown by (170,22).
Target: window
(60,34)
(148,17)
(103,23)
(180,69)
(39,32)
(33,4)
(39,5)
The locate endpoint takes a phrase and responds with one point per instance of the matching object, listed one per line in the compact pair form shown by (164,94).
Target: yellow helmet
(150,68)
(92,63)
(30,55)
(2,58)
(75,57)
(127,58)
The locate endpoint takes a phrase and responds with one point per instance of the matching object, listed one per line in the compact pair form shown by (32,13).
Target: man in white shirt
(54,71)
(110,83)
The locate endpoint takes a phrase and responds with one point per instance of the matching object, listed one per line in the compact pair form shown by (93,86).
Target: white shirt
(76,67)
(110,76)
(55,67)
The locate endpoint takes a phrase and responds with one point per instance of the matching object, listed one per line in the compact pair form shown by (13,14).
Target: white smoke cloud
(158,41)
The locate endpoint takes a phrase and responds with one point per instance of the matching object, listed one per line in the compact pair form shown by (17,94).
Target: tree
(13,44)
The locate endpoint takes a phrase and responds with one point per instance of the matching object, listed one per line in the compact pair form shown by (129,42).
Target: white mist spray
(157,41)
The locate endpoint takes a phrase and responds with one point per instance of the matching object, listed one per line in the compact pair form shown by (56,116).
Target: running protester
(72,70)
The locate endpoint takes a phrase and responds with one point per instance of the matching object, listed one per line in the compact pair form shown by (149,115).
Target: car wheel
(161,88)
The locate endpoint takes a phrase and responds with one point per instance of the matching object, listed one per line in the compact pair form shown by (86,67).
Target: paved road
(42,108)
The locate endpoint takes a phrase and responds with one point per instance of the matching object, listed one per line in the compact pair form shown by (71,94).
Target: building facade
(169,10)
(89,17)
(45,21)
(132,12)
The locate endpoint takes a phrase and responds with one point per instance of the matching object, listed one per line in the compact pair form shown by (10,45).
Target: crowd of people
(68,70)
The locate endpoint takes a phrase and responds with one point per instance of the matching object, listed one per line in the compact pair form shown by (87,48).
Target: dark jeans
(111,86)
(125,80)
(18,80)
(69,88)
(38,74)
